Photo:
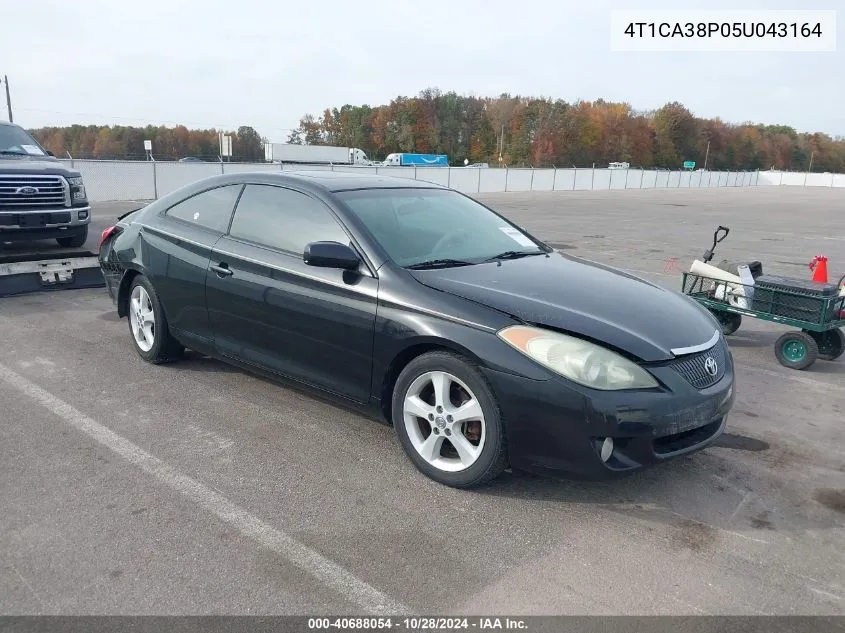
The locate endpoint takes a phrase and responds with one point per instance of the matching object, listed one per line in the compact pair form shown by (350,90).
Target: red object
(106,234)
(819,268)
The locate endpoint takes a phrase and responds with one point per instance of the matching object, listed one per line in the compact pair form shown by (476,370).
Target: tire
(74,242)
(831,344)
(796,350)
(446,465)
(730,321)
(163,348)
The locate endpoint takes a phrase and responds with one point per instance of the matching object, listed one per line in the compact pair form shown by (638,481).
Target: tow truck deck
(32,270)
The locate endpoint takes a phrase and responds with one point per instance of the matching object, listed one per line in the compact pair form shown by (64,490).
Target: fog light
(83,215)
(606,448)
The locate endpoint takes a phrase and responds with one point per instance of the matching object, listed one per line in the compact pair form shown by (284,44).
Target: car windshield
(421,227)
(14,140)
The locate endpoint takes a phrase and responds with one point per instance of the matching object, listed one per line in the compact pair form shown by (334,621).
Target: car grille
(33,192)
(693,368)
(675,442)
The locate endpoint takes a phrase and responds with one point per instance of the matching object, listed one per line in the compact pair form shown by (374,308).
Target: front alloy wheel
(448,421)
(444,421)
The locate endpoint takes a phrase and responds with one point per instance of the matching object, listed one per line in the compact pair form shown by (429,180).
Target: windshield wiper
(438,263)
(13,152)
(512,255)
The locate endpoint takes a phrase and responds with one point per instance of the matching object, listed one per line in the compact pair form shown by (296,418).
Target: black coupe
(480,344)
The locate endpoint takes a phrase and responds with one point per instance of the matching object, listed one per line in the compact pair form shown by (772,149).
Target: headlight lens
(76,181)
(582,362)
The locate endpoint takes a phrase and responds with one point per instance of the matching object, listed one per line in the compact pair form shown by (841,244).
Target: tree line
(168,143)
(544,132)
(522,131)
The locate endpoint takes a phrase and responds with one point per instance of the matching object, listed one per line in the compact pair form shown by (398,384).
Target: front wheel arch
(408,354)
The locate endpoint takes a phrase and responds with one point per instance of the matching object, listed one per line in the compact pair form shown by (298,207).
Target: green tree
(247,144)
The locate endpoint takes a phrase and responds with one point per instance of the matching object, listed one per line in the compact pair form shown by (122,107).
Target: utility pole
(809,169)
(8,99)
(706,154)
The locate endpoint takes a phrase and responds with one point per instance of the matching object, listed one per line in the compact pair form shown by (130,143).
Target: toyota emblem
(26,191)
(711,367)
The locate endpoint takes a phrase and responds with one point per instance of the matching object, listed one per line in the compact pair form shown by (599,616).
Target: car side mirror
(331,255)
(49,153)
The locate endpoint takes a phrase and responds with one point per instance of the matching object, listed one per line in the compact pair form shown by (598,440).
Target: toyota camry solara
(481,345)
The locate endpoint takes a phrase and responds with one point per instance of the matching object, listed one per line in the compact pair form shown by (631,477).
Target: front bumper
(20,225)
(555,425)
(45,218)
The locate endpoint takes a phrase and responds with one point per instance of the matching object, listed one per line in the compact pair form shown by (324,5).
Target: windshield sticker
(516,236)
(33,150)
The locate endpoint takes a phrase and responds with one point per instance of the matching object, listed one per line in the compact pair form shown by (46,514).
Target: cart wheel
(831,343)
(730,321)
(796,350)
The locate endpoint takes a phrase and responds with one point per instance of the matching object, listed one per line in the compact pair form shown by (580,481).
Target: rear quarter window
(210,209)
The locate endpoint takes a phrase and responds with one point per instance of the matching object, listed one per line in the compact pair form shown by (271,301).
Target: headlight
(76,181)
(582,362)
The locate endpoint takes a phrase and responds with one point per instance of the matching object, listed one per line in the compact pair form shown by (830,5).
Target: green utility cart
(815,310)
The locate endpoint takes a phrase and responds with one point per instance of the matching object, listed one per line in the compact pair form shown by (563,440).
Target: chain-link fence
(148,180)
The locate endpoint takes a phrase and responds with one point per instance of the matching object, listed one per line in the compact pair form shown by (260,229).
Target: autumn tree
(537,131)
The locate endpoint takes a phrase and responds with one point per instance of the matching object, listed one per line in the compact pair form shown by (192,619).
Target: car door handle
(222,270)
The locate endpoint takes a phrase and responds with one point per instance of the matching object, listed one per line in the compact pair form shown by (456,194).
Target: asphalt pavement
(196,488)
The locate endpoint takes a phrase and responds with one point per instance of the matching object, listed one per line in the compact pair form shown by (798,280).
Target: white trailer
(314,154)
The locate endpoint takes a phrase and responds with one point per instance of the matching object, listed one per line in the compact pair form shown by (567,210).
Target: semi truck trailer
(416,160)
(314,154)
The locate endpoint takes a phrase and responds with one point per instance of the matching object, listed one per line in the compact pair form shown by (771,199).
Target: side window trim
(197,225)
(282,251)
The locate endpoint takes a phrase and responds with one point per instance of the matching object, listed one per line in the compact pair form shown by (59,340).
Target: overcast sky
(224,63)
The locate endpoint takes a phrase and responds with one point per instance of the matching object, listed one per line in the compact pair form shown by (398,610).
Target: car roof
(318,179)
(346,180)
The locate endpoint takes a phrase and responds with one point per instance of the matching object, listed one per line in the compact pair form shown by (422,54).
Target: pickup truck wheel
(74,242)
(148,325)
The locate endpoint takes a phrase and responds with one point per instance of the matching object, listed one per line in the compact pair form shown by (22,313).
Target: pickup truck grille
(28,192)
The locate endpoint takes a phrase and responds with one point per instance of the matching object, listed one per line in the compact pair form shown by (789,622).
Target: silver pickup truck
(40,197)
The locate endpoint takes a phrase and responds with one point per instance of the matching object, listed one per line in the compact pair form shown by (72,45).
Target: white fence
(140,180)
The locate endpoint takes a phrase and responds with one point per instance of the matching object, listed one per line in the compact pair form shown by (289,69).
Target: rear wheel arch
(123,291)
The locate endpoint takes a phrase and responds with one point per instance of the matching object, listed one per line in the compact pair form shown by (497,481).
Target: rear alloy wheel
(448,421)
(796,350)
(74,242)
(148,324)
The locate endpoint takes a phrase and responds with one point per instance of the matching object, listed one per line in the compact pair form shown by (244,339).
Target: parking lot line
(326,571)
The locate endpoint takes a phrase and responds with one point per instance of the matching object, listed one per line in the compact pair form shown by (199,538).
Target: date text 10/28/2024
(418,624)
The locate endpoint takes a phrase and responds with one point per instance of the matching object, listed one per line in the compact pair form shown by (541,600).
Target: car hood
(42,165)
(584,298)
